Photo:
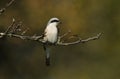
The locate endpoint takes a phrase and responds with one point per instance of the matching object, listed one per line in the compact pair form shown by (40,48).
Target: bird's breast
(51,33)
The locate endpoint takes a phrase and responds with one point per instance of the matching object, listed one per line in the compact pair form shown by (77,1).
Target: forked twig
(80,40)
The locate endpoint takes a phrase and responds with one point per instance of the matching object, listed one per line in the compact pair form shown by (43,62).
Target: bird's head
(54,20)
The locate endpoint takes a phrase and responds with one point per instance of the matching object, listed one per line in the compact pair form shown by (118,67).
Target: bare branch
(16,27)
(33,38)
(2,10)
(2,35)
(24,31)
(10,3)
(39,39)
(9,28)
(80,40)
(13,28)
(60,37)
(65,34)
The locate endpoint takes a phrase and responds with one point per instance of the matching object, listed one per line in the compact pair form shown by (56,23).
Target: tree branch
(39,39)
(9,28)
(13,29)
(2,10)
(80,40)
(12,32)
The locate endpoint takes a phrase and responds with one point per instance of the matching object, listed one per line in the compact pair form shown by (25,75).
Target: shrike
(50,36)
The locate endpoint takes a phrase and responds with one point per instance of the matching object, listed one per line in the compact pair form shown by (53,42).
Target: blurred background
(99,59)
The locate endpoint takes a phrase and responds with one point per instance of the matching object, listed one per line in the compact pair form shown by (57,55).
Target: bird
(50,37)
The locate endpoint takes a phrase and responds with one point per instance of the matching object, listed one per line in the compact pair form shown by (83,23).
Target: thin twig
(2,10)
(16,27)
(80,40)
(65,34)
(8,29)
(10,3)
(33,38)
(24,31)
(62,36)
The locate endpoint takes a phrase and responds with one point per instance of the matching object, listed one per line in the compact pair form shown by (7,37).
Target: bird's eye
(54,21)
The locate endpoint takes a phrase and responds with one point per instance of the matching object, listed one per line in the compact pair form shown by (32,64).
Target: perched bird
(50,36)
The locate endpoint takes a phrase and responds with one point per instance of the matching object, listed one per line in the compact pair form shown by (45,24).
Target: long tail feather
(47,57)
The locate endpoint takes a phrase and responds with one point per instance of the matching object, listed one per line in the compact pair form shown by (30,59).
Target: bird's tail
(47,57)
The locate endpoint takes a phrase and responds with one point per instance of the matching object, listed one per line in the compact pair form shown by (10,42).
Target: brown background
(99,59)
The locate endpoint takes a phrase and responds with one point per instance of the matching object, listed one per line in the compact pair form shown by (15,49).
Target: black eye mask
(54,21)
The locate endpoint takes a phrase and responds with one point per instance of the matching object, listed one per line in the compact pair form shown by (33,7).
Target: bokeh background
(99,59)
